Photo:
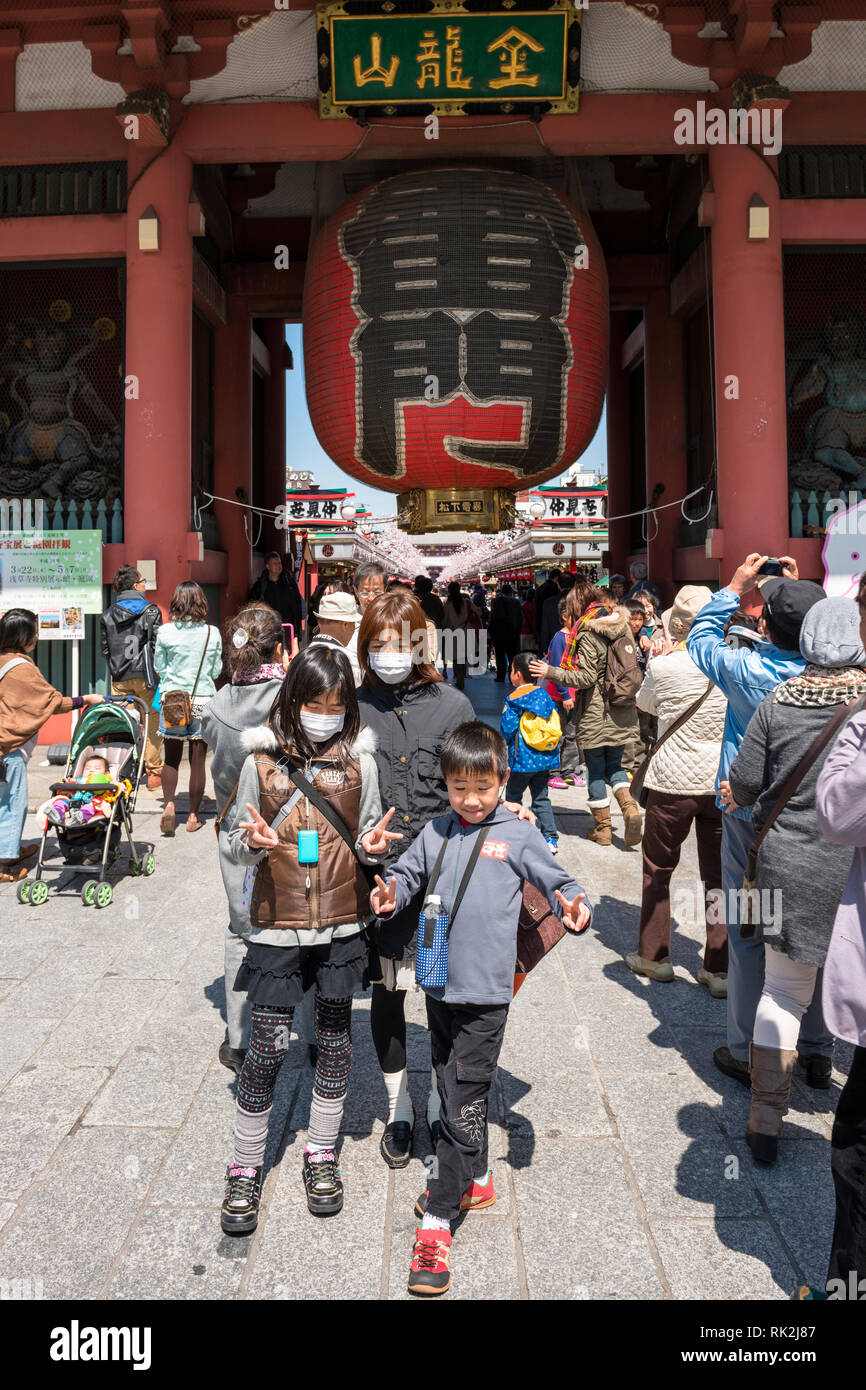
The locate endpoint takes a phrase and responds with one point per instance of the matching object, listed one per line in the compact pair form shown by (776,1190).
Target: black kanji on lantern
(462,285)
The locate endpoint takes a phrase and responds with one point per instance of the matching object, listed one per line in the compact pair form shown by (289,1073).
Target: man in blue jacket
(745,676)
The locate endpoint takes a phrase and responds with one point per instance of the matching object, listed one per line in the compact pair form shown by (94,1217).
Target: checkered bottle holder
(431,957)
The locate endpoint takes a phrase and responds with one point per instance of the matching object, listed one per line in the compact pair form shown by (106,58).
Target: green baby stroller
(113,730)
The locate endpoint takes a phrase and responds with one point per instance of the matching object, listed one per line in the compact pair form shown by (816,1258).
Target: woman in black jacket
(410,709)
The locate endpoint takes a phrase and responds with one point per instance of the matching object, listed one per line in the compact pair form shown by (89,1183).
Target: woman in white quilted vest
(681,787)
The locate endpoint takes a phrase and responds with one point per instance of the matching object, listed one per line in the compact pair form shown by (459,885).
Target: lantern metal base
(456,509)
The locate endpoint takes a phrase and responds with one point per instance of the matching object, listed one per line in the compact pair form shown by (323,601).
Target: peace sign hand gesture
(259,833)
(377,840)
(575,916)
(383,898)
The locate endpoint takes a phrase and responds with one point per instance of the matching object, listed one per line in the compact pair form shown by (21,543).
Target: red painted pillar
(749,329)
(618,446)
(664,386)
(157,479)
(275,432)
(233,368)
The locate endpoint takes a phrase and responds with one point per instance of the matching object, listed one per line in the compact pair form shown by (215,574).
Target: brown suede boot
(600,832)
(771,1069)
(631,815)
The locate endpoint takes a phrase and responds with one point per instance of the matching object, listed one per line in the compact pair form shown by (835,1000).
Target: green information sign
(57,574)
(449,61)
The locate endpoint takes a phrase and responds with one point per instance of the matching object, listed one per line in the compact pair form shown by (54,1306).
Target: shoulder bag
(176,711)
(637,789)
(808,760)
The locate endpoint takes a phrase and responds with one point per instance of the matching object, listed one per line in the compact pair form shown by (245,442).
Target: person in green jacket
(188,657)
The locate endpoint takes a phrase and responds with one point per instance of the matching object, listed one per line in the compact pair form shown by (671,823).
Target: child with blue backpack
(532,729)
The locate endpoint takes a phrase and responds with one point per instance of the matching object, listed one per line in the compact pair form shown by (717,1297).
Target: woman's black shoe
(818,1071)
(395,1145)
(232,1057)
(322,1183)
(240,1209)
(764,1147)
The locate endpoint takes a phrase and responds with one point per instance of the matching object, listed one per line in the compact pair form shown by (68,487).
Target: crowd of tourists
(373,832)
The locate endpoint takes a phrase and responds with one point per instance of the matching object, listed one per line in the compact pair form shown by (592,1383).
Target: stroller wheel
(149,865)
(38,892)
(103,895)
(23,894)
(88,893)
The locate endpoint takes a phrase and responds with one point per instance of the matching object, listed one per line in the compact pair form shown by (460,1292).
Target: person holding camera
(27,700)
(745,676)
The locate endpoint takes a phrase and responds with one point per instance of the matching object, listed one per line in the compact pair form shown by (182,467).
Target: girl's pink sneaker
(557,783)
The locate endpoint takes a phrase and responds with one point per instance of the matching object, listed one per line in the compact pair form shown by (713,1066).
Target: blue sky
(303,449)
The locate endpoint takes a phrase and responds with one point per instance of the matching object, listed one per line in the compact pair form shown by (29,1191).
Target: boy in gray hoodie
(467,1014)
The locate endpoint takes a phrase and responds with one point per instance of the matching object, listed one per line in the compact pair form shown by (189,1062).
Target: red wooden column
(664,387)
(233,368)
(618,446)
(749,329)
(275,432)
(157,425)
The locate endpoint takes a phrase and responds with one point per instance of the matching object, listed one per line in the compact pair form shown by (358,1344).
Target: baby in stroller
(79,807)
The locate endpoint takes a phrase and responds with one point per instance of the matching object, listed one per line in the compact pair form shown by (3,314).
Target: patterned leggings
(270,1030)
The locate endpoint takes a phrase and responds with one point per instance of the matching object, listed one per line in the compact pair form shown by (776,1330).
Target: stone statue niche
(49,451)
(830,370)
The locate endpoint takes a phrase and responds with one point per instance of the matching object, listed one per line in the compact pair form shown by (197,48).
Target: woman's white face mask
(320,727)
(391,667)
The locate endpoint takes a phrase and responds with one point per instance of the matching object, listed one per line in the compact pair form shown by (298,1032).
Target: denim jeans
(746,958)
(537,784)
(604,765)
(13,805)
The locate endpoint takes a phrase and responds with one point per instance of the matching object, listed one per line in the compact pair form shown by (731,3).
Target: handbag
(809,758)
(637,789)
(436,921)
(177,704)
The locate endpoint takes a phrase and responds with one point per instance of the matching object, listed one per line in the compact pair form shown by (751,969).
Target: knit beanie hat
(830,635)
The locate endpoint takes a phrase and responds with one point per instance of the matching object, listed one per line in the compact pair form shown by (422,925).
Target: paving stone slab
(19,1040)
(7,986)
(101,1027)
(724,1259)
(37,1109)
(706,1176)
(582,1241)
(651,1103)
(157,1079)
(52,990)
(179,1255)
(7,1209)
(625,1044)
(301,1256)
(77,1219)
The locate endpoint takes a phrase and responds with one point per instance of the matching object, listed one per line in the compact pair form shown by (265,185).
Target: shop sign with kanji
(570,506)
(312,509)
(449,60)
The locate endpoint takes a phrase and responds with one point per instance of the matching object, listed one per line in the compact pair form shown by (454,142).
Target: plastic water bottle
(431,956)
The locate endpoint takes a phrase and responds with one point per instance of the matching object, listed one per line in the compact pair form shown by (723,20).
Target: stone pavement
(617,1148)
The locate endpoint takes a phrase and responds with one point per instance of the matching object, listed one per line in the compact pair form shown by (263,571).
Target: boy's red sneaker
(429,1272)
(475,1198)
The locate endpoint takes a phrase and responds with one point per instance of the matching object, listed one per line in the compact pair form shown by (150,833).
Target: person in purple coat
(841,806)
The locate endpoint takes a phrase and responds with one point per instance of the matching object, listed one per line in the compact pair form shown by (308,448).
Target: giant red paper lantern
(456,331)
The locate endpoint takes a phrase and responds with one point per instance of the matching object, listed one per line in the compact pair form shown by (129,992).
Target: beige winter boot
(631,815)
(600,832)
(771,1069)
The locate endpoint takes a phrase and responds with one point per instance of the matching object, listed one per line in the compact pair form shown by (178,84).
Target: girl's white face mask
(391,667)
(319,727)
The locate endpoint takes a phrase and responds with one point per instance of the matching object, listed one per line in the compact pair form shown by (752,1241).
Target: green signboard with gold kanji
(449,61)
